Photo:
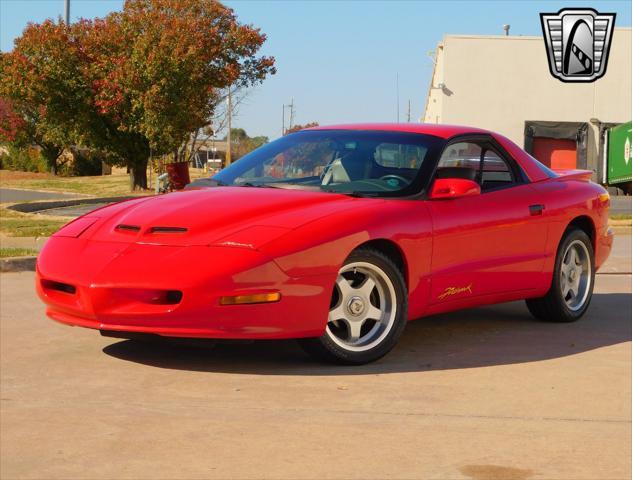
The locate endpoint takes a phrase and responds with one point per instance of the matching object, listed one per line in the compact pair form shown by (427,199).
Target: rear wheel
(573,281)
(368,311)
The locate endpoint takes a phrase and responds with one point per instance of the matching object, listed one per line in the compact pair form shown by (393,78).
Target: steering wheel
(400,179)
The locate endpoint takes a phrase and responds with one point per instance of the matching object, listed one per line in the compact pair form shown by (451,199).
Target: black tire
(326,349)
(553,307)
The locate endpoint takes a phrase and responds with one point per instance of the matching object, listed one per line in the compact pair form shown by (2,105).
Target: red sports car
(336,236)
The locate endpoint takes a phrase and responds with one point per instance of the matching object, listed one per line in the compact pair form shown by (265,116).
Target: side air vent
(128,228)
(58,286)
(167,230)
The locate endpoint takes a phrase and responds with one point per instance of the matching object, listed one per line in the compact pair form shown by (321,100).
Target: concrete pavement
(621,204)
(487,393)
(620,259)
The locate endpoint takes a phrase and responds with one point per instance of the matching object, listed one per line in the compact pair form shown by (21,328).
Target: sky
(340,60)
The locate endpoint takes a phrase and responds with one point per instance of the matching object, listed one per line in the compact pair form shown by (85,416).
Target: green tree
(241,143)
(161,65)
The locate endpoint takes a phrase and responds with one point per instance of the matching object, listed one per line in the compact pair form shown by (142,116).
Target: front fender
(321,247)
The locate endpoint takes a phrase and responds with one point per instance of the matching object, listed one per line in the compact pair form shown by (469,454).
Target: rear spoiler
(582,175)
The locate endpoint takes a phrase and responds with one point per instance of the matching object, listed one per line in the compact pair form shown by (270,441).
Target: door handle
(535,210)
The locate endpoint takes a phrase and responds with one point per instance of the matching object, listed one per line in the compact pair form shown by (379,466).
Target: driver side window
(460,160)
(479,163)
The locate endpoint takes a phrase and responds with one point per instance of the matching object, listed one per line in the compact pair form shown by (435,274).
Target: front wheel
(368,311)
(573,281)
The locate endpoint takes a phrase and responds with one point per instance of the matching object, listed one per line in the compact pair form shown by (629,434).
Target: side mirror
(446,188)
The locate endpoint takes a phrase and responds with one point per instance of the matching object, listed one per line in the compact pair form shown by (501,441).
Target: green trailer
(619,159)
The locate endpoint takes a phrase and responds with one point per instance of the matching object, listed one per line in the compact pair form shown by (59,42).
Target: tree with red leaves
(137,81)
(43,99)
(11,124)
(297,128)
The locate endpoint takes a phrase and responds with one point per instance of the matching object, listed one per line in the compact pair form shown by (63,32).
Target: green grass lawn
(16,224)
(17,252)
(101,186)
(113,185)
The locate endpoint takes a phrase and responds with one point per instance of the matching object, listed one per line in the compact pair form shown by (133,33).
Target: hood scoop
(127,228)
(168,230)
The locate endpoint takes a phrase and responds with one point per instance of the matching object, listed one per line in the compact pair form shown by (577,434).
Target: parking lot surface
(487,393)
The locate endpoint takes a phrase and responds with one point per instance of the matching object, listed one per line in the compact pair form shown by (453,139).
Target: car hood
(230,216)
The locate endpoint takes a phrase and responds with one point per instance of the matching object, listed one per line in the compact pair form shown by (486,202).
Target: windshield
(371,163)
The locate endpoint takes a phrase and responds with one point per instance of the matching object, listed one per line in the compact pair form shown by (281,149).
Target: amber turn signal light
(247,299)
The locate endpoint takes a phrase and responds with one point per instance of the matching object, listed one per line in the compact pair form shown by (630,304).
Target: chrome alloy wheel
(363,307)
(575,275)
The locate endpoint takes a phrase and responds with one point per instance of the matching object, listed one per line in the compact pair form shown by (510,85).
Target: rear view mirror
(446,188)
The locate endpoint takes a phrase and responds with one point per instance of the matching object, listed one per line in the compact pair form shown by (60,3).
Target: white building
(503,83)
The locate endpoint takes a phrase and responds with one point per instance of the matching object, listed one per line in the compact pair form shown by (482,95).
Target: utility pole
(67,11)
(282,119)
(292,113)
(289,106)
(229,112)
(408,116)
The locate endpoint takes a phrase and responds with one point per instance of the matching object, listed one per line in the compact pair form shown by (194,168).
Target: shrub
(25,159)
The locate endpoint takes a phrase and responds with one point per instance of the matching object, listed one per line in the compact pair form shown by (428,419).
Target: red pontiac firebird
(336,236)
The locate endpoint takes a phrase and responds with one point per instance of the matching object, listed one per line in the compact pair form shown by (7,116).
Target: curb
(34,207)
(17,264)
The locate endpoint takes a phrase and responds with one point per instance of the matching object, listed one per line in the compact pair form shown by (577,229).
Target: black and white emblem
(577,43)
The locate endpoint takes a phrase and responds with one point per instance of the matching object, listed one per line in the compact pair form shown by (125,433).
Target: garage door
(556,153)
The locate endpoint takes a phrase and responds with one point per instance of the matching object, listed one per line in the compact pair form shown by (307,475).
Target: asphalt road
(73,211)
(487,393)
(15,195)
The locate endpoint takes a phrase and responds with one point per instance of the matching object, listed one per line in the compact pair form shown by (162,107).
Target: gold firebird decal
(448,292)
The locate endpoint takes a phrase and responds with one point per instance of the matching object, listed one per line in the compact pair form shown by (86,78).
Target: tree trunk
(138,175)
(51,153)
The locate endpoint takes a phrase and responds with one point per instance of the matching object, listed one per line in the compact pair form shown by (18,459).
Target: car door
(490,243)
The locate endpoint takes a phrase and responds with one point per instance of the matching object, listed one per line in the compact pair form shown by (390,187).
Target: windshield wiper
(256,185)
(354,193)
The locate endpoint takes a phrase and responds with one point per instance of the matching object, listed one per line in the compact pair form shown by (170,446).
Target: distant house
(211,152)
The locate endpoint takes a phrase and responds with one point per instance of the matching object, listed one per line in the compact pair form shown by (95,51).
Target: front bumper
(121,287)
